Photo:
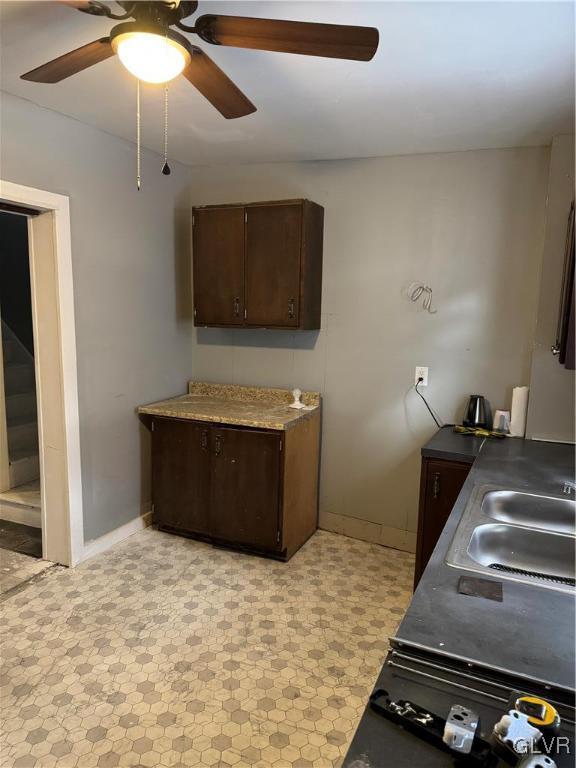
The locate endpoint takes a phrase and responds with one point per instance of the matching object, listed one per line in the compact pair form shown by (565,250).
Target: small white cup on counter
(501,421)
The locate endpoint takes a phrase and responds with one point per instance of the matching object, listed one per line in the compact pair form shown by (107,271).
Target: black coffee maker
(478,413)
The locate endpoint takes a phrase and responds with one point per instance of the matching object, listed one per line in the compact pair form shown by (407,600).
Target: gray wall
(551,406)
(468,224)
(131,286)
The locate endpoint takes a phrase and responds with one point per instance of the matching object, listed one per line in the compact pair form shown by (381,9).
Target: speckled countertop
(259,407)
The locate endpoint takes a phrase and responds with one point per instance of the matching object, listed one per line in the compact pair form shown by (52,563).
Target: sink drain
(533,574)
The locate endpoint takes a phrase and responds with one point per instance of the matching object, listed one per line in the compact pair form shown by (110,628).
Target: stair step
(24,468)
(24,514)
(9,350)
(14,353)
(23,438)
(19,419)
(18,378)
(28,495)
(21,406)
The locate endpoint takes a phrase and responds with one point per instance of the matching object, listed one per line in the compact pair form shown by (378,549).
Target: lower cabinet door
(246,487)
(441,482)
(181,475)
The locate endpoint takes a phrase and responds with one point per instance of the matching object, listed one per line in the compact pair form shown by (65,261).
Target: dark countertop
(449,445)
(379,743)
(530,634)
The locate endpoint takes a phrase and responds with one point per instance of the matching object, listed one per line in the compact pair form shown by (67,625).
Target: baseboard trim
(103,543)
(355,528)
(365,530)
(20,513)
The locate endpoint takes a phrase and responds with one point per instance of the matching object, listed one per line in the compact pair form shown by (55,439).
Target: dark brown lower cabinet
(181,475)
(246,488)
(440,484)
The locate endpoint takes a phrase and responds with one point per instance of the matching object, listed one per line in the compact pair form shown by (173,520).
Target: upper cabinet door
(272,272)
(218,242)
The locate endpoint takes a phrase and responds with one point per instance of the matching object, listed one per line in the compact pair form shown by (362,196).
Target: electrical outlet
(421,373)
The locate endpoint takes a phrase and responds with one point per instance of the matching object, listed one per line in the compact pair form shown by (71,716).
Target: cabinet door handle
(291,309)
(218,445)
(204,440)
(236,306)
(436,486)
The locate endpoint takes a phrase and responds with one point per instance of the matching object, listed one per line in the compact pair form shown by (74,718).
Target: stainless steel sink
(509,548)
(545,512)
(519,536)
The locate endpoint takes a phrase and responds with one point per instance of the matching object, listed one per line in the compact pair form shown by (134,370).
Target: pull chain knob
(166,168)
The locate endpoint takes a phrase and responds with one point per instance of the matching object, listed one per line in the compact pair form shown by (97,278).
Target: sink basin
(536,554)
(529,509)
(517,536)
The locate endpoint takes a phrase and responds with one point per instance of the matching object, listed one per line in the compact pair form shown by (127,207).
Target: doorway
(20,494)
(48,366)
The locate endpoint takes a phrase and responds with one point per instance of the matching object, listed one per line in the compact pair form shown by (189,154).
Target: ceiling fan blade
(216,86)
(71,63)
(333,40)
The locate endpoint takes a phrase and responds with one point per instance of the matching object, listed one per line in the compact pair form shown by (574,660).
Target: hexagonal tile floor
(169,652)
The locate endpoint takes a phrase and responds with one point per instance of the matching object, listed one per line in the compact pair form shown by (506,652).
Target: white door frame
(56,370)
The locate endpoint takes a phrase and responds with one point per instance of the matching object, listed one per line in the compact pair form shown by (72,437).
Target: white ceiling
(447,76)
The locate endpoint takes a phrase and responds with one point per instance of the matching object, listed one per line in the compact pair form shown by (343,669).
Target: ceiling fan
(153,51)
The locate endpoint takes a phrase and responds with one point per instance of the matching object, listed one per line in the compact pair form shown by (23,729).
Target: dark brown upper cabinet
(273,252)
(258,265)
(564,346)
(219,266)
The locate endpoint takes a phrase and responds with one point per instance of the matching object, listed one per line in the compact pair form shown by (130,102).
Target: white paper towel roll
(518,411)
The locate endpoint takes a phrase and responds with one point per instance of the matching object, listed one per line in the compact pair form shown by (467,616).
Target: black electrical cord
(426,404)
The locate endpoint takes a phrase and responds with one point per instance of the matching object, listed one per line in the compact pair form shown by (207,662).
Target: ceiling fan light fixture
(150,56)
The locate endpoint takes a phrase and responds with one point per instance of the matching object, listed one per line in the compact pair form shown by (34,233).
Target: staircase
(21,415)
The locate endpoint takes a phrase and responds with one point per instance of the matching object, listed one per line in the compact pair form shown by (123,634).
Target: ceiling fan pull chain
(138,147)
(166,168)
